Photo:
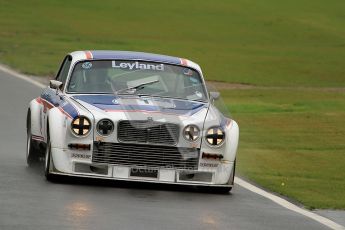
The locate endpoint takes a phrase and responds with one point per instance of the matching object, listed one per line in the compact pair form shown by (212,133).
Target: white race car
(132,116)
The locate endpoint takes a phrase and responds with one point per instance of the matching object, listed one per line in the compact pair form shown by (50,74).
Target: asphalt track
(28,201)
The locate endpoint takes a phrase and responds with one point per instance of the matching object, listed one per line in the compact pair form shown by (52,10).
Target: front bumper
(63,163)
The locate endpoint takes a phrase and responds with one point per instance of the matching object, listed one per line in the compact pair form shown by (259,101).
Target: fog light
(191,132)
(105,127)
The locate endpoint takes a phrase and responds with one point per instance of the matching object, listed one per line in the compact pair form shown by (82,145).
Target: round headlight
(215,136)
(81,126)
(105,127)
(191,132)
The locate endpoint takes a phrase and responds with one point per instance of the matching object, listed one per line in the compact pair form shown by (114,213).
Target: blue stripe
(128,55)
(51,96)
(109,102)
(70,109)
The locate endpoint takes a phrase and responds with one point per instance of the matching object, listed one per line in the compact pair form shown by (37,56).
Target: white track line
(21,76)
(282,202)
(286,204)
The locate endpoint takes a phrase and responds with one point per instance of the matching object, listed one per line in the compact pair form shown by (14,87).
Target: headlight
(81,126)
(105,127)
(215,136)
(191,132)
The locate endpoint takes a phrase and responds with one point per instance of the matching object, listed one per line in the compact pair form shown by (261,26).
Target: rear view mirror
(55,84)
(214,96)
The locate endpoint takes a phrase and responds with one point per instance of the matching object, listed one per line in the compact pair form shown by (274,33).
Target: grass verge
(293,142)
(275,43)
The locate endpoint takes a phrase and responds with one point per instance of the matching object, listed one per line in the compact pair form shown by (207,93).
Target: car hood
(165,106)
(134,108)
(168,110)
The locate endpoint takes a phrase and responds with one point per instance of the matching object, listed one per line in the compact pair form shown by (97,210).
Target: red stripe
(38,138)
(39,100)
(47,103)
(88,55)
(184,62)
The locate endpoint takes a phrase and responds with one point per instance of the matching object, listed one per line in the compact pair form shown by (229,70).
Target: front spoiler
(142,181)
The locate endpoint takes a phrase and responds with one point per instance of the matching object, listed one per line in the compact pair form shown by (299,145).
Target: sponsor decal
(136,66)
(210,165)
(86,65)
(81,156)
(187,72)
(37,138)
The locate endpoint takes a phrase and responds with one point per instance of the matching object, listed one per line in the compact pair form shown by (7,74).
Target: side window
(63,71)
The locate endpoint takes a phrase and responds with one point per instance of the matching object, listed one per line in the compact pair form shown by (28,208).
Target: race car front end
(150,147)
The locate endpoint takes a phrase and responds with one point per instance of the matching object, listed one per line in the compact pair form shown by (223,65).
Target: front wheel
(224,190)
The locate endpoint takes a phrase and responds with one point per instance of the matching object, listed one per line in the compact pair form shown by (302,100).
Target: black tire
(32,153)
(224,190)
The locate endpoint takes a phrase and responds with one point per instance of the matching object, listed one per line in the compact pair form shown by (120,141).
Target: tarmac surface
(28,201)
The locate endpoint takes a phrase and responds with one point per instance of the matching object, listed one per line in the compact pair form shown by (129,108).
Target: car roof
(130,55)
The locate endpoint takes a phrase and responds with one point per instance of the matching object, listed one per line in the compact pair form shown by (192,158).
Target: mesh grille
(150,132)
(145,155)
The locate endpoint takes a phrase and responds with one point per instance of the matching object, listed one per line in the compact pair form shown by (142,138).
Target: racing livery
(132,116)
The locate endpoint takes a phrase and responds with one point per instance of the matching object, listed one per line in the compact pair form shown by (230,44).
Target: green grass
(292,140)
(267,42)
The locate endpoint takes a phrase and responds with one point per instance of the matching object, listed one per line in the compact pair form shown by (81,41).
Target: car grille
(151,156)
(150,132)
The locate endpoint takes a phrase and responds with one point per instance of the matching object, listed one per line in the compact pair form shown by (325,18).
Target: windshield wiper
(170,97)
(137,87)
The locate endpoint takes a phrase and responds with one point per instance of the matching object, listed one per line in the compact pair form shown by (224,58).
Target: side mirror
(55,84)
(214,96)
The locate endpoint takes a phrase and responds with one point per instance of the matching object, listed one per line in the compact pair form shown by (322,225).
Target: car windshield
(136,77)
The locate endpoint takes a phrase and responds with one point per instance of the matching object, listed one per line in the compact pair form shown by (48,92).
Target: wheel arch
(34,112)
(232,139)
(56,128)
